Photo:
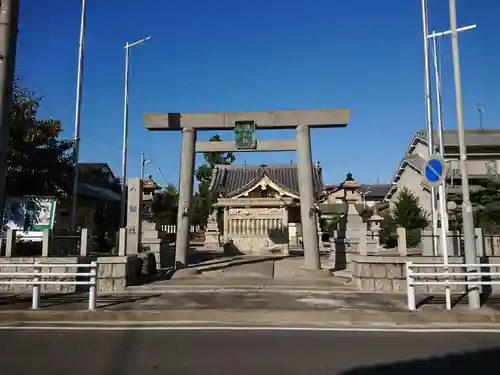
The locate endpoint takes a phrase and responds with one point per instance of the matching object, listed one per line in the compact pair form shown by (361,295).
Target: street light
(125,129)
(144,161)
(442,188)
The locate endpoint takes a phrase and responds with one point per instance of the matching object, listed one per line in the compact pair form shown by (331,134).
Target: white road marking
(251,328)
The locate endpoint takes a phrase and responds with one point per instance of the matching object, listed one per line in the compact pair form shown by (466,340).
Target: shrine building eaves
(328,118)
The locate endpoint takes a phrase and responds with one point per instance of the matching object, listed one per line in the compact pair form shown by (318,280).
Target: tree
(166,202)
(408,214)
(485,202)
(38,162)
(203,200)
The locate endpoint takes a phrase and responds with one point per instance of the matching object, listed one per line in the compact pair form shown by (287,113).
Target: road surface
(232,352)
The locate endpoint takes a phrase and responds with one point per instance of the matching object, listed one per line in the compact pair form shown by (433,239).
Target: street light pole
(442,188)
(468,219)
(76,135)
(125,130)
(428,113)
(9,18)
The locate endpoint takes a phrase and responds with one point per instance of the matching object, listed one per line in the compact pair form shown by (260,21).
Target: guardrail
(36,278)
(414,278)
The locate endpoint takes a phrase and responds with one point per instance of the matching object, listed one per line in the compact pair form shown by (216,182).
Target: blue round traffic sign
(435,170)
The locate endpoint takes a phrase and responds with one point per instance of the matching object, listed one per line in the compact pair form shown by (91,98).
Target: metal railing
(36,278)
(447,278)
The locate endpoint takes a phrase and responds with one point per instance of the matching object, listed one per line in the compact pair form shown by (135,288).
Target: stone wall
(388,273)
(118,272)
(9,265)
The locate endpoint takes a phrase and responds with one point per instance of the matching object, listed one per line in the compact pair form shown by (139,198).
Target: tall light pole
(468,218)
(125,129)
(9,18)
(76,135)
(428,114)
(442,188)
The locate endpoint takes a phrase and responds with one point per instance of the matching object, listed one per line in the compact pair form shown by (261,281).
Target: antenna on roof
(480,110)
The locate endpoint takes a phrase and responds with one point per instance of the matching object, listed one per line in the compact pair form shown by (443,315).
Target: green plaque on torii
(244,135)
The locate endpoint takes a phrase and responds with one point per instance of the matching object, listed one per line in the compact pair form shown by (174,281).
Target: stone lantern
(374,222)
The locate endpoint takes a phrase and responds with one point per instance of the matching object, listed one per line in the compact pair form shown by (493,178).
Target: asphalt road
(26,352)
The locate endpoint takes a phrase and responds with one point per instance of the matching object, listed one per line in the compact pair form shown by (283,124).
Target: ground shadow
(23,302)
(487,300)
(456,364)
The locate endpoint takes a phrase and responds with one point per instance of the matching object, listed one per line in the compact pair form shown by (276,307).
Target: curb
(359,317)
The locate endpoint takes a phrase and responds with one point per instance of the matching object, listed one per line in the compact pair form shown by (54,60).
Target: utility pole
(9,17)
(468,219)
(78,110)
(428,113)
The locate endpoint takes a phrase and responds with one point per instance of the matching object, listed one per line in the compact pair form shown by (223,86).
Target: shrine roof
(231,180)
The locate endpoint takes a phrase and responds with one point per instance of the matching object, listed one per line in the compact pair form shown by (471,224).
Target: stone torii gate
(302,121)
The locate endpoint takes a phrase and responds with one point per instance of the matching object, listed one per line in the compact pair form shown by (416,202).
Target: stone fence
(172,229)
(386,273)
(114,273)
(486,244)
(49,244)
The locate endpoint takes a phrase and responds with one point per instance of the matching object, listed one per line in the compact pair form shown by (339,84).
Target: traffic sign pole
(435,175)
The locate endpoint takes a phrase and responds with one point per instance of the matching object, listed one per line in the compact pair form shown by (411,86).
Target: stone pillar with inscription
(134,216)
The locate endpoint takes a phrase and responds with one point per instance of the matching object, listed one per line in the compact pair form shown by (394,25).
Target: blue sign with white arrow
(435,170)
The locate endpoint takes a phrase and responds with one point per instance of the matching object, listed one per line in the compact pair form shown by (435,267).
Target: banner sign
(29,214)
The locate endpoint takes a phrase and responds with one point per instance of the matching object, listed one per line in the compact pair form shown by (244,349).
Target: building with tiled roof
(261,205)
(234,180)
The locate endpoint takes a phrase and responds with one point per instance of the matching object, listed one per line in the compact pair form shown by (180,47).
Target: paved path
(237,299)
(246,352)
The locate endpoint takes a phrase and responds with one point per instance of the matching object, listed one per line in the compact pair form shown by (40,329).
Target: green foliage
(485,203)
(38,162)
(165,204)
(329,224)
(408,214)
(203,200)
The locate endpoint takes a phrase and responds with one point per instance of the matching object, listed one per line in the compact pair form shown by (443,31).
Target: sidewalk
(251,307)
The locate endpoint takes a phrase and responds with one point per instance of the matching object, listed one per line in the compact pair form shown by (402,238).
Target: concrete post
(122,237)
(307,213)
(85,242)
(185,196)
(286,237)
(226,225)
(480,243)
(10,242)
(46,234)
(402,248)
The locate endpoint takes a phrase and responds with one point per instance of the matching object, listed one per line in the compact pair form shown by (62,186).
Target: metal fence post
(92,286)
(35,303)
(410,288)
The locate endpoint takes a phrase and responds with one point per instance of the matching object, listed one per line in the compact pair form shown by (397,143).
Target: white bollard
(35,303)
(93,286)
(410,288)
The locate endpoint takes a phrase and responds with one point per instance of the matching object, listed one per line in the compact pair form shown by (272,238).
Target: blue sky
(229,55)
